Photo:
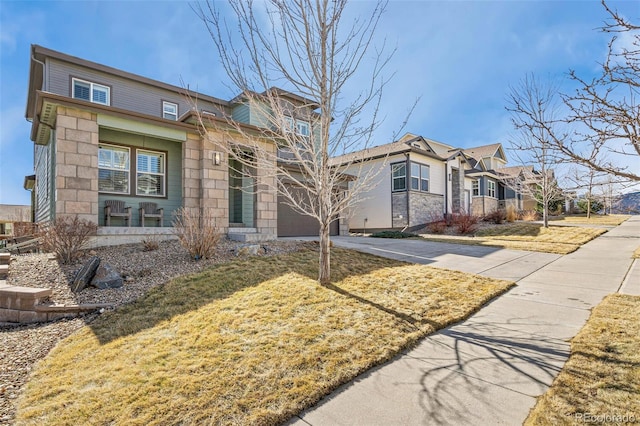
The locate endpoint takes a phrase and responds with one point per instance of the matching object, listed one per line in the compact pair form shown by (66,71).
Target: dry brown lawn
(249,342)
(595,219)
(602,376)
(636,254)
(528,236)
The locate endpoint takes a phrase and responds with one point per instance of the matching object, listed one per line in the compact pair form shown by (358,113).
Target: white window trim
(491,187)
(419,176)
(92,85)
(128,170)
(163,174)
(166,104)
(393,178)
(303,124)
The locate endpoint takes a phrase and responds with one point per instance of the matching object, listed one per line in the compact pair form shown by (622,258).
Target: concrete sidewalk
(490,368)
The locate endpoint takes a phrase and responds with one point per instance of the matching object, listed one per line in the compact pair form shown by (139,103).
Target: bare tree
(605,111)
(585,179)
(534,112)
(302,46)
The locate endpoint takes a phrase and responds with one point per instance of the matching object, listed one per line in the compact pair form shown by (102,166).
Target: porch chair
(116,208)
(151,210)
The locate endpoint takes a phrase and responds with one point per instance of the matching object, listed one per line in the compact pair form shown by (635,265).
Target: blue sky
(459,56)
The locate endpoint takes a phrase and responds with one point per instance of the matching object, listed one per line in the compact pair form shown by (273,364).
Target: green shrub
(596,206)
(393,234)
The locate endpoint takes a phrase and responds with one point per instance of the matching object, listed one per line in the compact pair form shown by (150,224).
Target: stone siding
(76,164)
(424,207)
(481,206)
(399,214)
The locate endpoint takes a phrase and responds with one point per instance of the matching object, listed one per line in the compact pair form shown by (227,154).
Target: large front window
(399,176)
(91,92)
(113,169)
(150,173)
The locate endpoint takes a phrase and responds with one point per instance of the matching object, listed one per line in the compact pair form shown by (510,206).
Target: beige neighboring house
(11,214)
(421,180)
(101,134)
(418,181)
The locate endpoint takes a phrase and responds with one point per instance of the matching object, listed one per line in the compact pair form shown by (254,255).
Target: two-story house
(489,171)
(102,134)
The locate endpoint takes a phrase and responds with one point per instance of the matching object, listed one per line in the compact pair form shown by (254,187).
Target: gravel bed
(24,345)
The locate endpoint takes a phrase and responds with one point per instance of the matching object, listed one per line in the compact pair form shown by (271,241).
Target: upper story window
(91,92)
(150,173)
(113,169)
(169,110)
(419,177)
(302,128)
(475,187)
(399,177)
(491,189)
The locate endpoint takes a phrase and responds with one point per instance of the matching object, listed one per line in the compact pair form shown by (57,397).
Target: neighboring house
(105,134)
(490,192)
(10,215)
(418,181)
(515,176)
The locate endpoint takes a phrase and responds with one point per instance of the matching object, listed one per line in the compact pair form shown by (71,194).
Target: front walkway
(490,368)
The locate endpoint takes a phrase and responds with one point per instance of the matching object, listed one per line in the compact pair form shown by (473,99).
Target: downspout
(446,188)
(33,58)
(408,185)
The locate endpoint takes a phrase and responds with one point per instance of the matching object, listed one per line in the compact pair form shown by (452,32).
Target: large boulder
(85,274)
(106,277)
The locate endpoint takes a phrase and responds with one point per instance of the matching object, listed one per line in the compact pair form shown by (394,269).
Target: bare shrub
(529,215)
(496,216)
(66,236)
(197,232)
(437,224)
(512,214)
(464,223)
(151,242)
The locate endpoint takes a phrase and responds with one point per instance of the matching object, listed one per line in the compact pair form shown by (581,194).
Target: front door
(242,195)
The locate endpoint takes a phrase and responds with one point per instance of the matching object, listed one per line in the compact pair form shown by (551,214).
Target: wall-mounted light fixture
(217,158)
(449,177)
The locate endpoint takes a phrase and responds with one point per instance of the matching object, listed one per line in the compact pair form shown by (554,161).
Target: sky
(458,57)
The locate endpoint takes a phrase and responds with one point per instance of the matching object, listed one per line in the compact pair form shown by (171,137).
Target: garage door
(294,224)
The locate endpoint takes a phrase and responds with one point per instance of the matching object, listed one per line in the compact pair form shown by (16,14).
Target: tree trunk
(545,215)
(324,270)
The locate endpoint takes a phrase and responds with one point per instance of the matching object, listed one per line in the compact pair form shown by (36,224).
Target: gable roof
(407,143)
(483,151)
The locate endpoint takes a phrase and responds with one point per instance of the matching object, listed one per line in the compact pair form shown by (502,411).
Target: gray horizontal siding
(172,202)
(43,162)
(125,93)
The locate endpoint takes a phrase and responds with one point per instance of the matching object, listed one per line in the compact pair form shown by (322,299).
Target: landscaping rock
(85,274)
(248,250)
(106,277)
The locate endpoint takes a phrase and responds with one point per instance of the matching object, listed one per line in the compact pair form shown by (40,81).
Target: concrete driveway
(488,261)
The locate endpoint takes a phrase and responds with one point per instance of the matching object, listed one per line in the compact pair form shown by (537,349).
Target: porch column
(76,164)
